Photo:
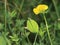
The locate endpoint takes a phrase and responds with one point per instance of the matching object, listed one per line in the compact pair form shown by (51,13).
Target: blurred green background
(13,18)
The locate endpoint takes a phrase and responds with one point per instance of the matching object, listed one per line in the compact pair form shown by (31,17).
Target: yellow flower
(40,9)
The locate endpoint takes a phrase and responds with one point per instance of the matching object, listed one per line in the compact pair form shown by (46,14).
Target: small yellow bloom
(36,11)
(40,9)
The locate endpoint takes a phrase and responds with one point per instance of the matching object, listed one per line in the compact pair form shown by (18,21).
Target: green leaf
(13,13)
(59,25)
(27,34)
(2,41)
(14,38)
(32,26)
(1,26)
(41,32)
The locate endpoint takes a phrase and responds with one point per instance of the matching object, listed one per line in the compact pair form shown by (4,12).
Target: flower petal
(40,9)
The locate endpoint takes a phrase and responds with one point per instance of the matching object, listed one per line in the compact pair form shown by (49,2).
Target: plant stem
(35,39)
(5,13)
(47,29)
(20,9)
(56,9)
(28,39)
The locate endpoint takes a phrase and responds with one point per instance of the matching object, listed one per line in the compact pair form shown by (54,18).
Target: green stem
(35,39)
(47,29)
(28,39)
(56,9)
(16,43)
(20,9)
(5,13)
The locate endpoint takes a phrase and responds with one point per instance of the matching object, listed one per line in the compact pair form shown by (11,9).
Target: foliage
(20,26)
